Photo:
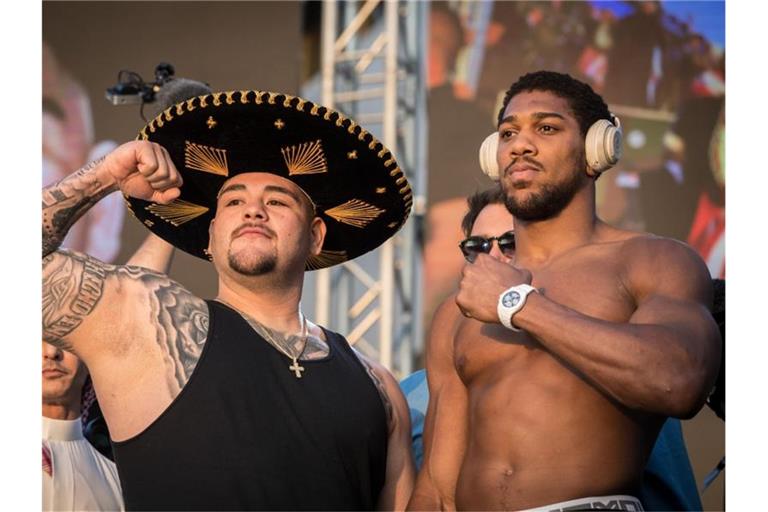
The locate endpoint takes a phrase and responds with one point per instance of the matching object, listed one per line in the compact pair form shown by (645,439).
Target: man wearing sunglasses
(586,340)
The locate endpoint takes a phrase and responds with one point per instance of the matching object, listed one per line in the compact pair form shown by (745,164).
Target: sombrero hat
(355,182)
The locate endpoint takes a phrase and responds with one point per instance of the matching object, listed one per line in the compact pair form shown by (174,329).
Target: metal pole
(323,282)
(387,268)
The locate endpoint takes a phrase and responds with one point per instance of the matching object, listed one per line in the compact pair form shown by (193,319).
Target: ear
(210,236)
(317,230)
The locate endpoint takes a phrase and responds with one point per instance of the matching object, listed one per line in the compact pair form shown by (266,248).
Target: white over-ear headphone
(602,147)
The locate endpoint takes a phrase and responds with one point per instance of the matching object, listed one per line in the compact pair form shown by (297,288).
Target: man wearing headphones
(590,337)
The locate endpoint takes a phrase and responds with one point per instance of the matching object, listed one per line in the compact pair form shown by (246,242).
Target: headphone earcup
(488,150)
(602,146)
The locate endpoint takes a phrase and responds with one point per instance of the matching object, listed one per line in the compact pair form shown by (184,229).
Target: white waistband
(615,502)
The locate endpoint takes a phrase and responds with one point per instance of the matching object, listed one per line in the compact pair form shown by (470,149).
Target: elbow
(681,390)
(682,396)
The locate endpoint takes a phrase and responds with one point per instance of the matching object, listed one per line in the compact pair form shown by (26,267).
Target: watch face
(510,299)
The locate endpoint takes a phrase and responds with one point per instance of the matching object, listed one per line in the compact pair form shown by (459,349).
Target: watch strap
(510,302)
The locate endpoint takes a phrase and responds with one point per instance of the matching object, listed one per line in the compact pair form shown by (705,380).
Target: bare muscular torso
(538,432)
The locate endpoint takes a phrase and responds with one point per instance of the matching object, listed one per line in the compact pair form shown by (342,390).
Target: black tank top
(246,434)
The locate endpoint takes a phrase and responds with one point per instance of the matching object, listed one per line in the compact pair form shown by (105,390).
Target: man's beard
(546,204)
(252,266)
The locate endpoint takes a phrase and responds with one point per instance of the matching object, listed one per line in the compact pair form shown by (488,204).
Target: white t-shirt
(83,479)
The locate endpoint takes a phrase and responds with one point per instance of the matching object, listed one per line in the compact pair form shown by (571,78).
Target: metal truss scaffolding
(373,70)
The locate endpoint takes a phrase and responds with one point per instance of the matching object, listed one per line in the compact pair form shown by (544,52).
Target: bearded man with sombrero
(239,402)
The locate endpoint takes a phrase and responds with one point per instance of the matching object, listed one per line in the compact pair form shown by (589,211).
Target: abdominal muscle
(539,433)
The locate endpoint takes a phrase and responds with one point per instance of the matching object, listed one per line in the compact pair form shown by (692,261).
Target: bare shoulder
(92,308)
(444,322)
(654,264)
(447,311)
(388,388)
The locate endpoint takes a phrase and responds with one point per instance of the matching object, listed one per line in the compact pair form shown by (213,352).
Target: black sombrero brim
(354,181)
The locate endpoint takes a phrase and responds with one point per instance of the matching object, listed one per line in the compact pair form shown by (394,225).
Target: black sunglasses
(472,246)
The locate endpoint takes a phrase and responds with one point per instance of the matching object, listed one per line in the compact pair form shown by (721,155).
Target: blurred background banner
(659,65)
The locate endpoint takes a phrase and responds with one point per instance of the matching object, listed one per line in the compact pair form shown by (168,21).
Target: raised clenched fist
(482,282)
(143,170)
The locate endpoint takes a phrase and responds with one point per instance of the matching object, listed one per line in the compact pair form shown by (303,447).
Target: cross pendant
(296,368)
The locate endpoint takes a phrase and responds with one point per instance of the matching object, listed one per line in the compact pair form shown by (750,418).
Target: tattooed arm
(67,200)
(139,169)
(140,333)
(83,296)
(400,472)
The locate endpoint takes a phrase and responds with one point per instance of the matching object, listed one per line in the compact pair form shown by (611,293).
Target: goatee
(254,267)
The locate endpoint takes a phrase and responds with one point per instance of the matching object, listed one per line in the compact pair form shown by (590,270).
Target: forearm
(400,471)
(654,368)
(445,441)
(426,497)
(155,254)
(397,490)
(65,201)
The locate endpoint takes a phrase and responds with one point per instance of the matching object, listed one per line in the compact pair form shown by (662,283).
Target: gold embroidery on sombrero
(352,155)
(191,104)
(168,114)
(381,190)
(128,205)
(217,98)
(391,225)
(177,212)
(355,212)
(211,122)
(300,105)
(230,100)
(272,97)
(326,259)
(279,124)
(305,158)
(244,97)
(203,100)
(258,97)
(206,159)
(287,101)
(180,109)
(149,223)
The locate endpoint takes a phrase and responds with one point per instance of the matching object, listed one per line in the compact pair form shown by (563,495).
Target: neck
(61,411)
(540,240)
(276,308)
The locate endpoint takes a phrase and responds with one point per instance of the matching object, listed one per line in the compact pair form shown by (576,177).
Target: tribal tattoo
(74,284)
(67,200)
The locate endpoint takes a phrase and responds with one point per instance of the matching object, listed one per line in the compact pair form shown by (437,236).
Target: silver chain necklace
(266,332)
